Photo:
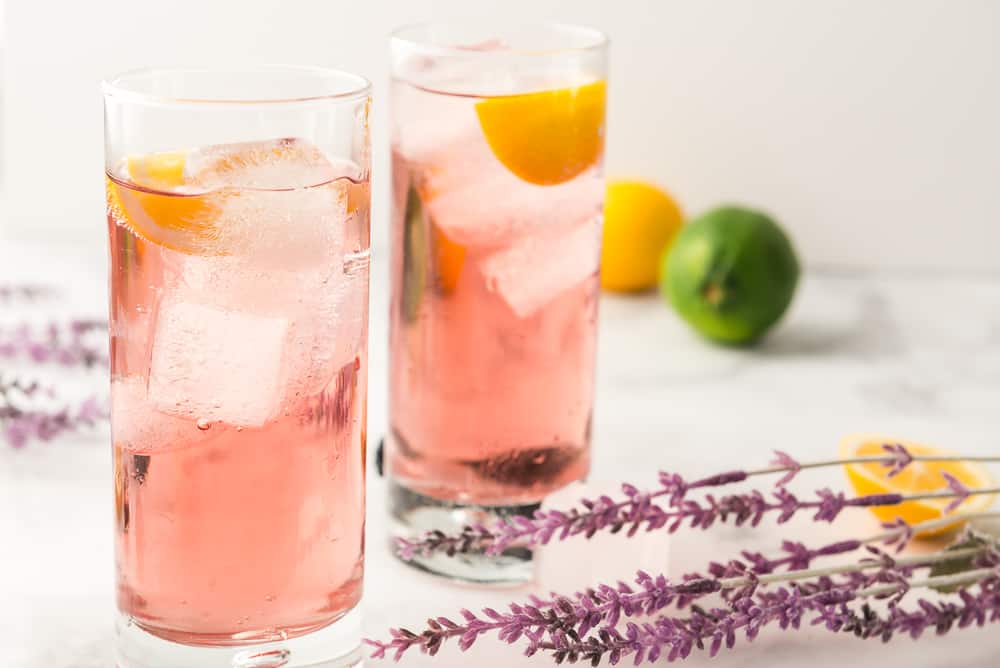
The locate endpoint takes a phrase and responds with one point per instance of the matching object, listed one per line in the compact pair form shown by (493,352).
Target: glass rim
(598,40)
(117,88)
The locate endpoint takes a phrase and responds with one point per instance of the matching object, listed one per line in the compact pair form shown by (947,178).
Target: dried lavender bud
(25,292)
(21,425)
(68,344)
(591,625)
(640,510)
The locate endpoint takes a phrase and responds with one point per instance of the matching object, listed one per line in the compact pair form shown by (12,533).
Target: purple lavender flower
(576,615)
(960,491)
(791,466)
(797,556)
(25,292)
(639,511)
(667,507)
(21,425)
(588,625)
(596,624)
(901,458)
(677,637)
(67,344)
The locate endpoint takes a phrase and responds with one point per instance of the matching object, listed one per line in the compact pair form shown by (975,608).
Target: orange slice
(158,170)
(549,137)
(184,223)
(918,477)
(448,260)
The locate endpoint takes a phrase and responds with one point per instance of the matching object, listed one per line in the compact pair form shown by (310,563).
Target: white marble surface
(913,356)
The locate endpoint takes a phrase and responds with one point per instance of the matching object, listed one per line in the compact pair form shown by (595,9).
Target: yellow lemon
(640,223)
(918,477)
(548,137)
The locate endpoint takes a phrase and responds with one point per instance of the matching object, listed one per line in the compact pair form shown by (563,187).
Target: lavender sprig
(25,292)
(66,344)
(640,511)
(595,608)
(677,637)
(21,425)
(561,626)
(9,389)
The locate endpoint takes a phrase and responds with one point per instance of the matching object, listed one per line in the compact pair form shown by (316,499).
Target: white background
(870,128)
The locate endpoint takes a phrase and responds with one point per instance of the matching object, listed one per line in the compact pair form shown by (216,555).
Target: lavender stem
(953,580)
(868,459)
(950,494)
(915,561)
(930,525)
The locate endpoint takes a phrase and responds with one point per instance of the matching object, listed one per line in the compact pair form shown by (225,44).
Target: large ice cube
(138,429)
(281,202)
(476,201)
(210,363)
(278,164)
(535,269)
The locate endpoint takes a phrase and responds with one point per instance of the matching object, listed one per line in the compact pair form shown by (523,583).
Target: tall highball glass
(237,211)
(497,146)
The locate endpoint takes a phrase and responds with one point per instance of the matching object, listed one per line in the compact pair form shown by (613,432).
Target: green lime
(730,273)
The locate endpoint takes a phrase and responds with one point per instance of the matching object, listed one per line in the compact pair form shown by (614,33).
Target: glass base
(413,514)
(337,645)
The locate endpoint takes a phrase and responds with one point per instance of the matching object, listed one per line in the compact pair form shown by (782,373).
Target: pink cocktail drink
(497,197)
(238,319)
(238,221)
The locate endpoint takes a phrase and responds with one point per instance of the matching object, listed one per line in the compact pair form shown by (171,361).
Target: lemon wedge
(549,137)
(184,223)
(918,477)
(449,257)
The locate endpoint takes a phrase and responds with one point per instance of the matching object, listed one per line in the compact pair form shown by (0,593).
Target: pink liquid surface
(238,398)
(492,345)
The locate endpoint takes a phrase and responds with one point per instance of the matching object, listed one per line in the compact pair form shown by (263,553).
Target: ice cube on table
(535,269)
(213,364)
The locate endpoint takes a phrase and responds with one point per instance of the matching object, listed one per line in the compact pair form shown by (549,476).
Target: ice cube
(277,164)
(138,429)
(535,269)
(476,201)
(281,202)
(214,364)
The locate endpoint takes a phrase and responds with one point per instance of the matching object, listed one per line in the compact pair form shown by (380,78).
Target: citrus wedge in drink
(917,478)
(157,213)
(449,257)
(549,137)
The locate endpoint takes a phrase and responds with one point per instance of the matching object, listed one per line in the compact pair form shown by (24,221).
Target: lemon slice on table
(159,214)
(549,137)
(917,478)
